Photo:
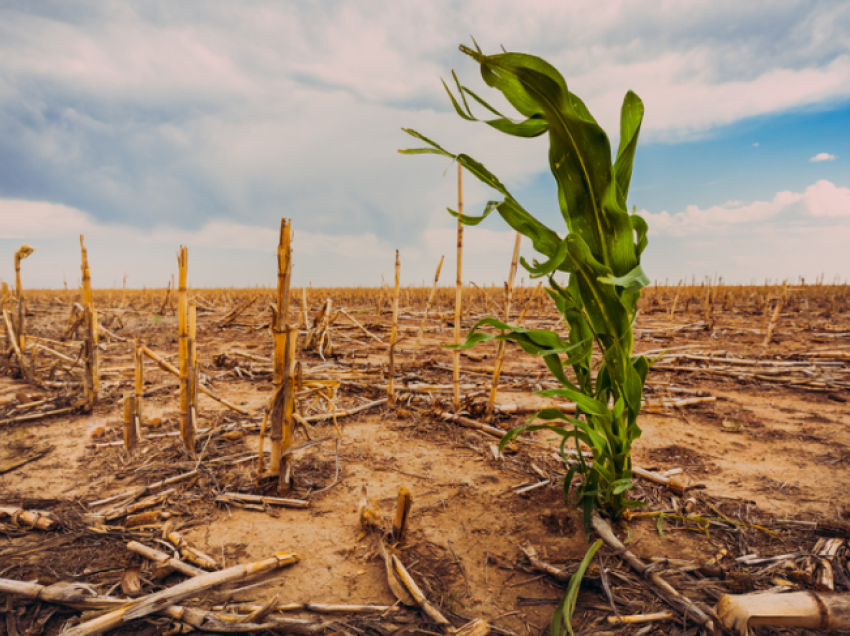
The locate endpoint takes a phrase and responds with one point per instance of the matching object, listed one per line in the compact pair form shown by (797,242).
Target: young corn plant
(601,255)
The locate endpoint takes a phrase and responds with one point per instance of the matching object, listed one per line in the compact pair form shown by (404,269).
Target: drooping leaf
(633,281)
(584,402)
(641,228)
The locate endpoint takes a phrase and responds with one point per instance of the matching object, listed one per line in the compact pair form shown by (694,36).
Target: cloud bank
(205,122)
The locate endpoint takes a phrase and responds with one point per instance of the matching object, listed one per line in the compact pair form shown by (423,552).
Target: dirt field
(762,444)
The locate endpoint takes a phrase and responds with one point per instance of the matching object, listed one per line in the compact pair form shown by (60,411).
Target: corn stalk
(600,253)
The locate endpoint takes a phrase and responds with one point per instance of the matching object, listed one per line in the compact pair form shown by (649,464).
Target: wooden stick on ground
(154,500)
(806,610)
(657,584)
(562,575)
(458,293)
(37,416)
(138,492)
(428,306)
(500,356)
(319,608)
(170,369)
(233,315)
(361,327)
(31,518)
(80,596)
(421,600)
(189,553)
(636,619)
(164,564)
(161,600)
(238,497)
(393,335)
(353,411)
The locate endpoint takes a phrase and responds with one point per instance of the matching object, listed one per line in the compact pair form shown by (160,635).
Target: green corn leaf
(472,339)
(538,270)
(602,305)
(584,402)
(641,228)
(563,615)
(550,413)
(641,365)
(568,480)
(510,436)
(534,126)
(464,89)
(467,115)
(633,389)
(544,240)
(631,116)
(504,80)
(619,407)
(600,469)
(622,485)
(591,200)
(531,127)
(633,281)
(556,368)
(435,148)
(475,220)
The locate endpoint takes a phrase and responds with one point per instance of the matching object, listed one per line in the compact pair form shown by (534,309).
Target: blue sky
(151,125)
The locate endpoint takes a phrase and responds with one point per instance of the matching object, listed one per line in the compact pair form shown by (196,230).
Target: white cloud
(33,220)
(37,220)
(823,156)
(228,253)
(822,199)
(684,97)
(290,56)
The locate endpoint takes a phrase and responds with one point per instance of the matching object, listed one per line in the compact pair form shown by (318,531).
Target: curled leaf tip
(476,55)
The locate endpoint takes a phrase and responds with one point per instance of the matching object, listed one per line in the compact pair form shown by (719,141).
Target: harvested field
(746,411)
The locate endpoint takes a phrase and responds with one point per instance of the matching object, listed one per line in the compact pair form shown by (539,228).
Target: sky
(150,125)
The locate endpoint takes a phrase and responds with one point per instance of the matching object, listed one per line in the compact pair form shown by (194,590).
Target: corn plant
(601,254)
